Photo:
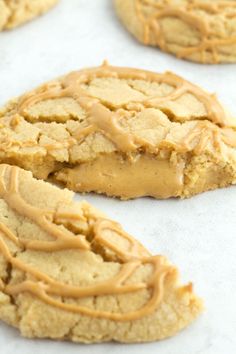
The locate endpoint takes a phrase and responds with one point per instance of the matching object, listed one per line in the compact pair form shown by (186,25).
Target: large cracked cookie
(68,272)
(123,132)
(14,13)
(198,30)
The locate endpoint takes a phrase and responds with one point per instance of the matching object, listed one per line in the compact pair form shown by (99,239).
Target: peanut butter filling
(190,13)
(131,255)
(148,175)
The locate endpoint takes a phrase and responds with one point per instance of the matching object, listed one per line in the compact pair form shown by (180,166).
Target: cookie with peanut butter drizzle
(14,13)
(122,132)
(198,30)
(68,272)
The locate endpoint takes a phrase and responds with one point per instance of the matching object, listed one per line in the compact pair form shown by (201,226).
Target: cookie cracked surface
(123,132)
(14,13)
(198,30)
(68,272)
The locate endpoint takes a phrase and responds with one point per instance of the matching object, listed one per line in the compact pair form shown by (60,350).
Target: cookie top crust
(14,13)
(58,255)
(93,234)
(110,109)
(203,31)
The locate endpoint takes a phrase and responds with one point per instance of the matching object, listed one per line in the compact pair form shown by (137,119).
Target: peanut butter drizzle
(105,120)
(43,218)
(200,136)
(136,250)
(44,287)
(186,14)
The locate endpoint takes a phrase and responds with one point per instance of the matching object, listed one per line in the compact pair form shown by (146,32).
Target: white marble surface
(197,234)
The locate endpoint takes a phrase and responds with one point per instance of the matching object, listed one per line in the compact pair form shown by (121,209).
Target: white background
(198,235)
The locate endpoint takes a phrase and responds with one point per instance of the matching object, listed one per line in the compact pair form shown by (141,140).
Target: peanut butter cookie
(197,30)
(14,13)
(68,272)
(123,132)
